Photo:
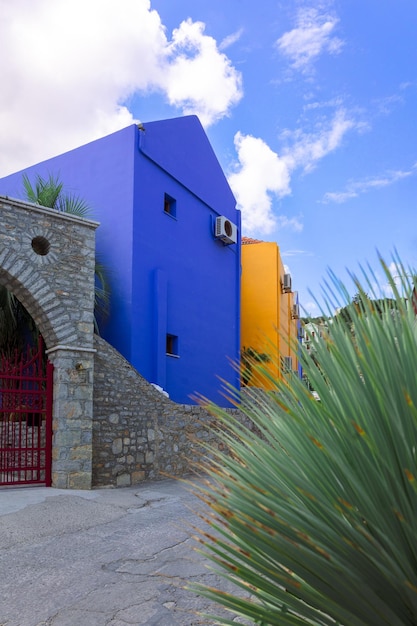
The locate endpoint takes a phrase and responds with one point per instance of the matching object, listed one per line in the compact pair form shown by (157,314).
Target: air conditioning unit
(286,283)
(295,312)
(225,230)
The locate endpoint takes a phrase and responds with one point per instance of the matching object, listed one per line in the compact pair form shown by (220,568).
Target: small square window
(286,364)
(172,345)
(170,205)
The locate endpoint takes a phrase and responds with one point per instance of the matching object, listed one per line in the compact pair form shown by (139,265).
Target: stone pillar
(72,416)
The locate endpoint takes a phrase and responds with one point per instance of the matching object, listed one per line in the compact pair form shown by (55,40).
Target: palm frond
(17,327)
(314,512)
(101,294)
(73,205)
(45,192)
(49,192)
(30,193)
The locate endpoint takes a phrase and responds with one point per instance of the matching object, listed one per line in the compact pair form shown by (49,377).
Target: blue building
(170,236)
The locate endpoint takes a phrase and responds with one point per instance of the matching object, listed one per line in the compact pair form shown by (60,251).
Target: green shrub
(316,516)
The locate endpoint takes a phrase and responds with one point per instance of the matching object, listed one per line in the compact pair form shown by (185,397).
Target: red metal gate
(26,418)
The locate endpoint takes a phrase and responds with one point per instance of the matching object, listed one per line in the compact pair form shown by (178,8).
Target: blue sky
(310,107)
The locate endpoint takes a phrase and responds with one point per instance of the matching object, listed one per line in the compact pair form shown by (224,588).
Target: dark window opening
(286,364)
(170,205)
(172,345)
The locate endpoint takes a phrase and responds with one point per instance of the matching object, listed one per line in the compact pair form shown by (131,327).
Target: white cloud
(294,223)
(339,197)
(286,253)
(262,174)
(311,309)
(231,39)
(68,67)
(335,103)
(388,104)
(196,71)
(307,149)
(312,36)
(356,188)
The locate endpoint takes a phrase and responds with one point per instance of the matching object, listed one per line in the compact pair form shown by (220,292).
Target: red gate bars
(26,418)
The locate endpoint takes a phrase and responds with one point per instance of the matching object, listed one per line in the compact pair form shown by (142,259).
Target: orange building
(269,313)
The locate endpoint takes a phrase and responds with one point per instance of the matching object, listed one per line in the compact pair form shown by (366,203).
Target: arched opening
(18,329)
(22,314)
(47,263)
(25,397)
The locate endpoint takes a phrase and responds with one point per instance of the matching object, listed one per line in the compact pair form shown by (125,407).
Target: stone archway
(47,261)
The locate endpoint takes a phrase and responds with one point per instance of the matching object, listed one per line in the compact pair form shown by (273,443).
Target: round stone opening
(41,245)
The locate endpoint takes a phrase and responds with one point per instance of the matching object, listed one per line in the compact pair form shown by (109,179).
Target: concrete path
(108,557)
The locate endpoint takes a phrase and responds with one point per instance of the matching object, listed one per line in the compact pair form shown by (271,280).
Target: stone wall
(138,433)
(47,261)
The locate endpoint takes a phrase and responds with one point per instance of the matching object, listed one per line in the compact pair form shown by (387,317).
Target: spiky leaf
(314,511)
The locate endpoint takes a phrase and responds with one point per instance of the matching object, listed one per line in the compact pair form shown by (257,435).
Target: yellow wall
(288,326)
(266,320)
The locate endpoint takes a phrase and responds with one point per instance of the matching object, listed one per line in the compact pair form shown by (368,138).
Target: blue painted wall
(169,275)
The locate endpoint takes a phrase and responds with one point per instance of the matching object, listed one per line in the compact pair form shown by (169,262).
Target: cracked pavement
(106,557)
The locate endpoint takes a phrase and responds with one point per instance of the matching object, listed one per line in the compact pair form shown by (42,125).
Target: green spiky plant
(314,515)
(16,325)
(50,192)
(249,358)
